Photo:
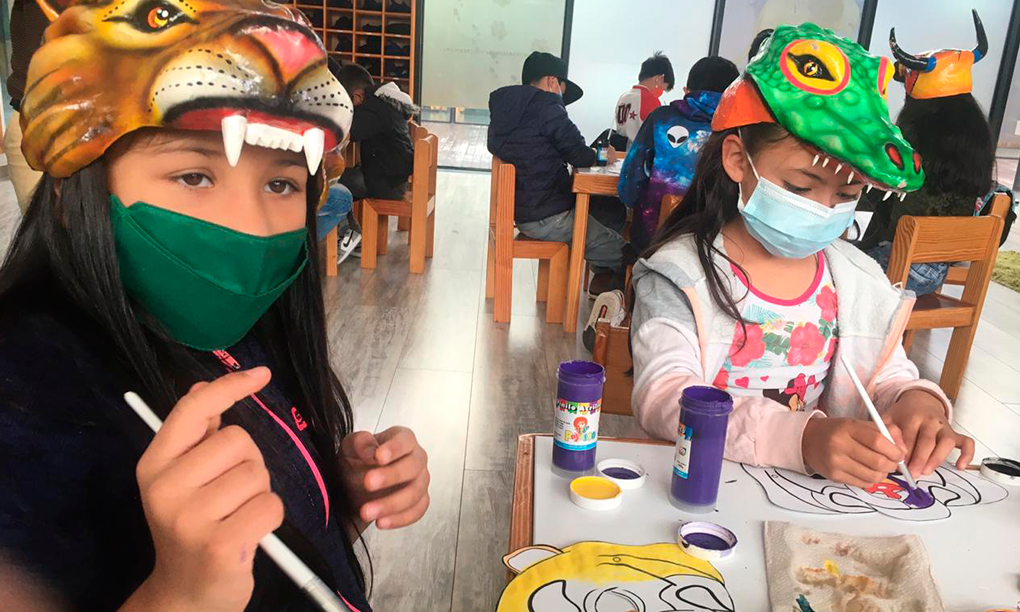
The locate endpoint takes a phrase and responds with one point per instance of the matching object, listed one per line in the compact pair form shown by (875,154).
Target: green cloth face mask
(207,284)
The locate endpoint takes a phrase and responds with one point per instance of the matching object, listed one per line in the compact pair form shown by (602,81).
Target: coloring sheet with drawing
(949,488)
(603,577)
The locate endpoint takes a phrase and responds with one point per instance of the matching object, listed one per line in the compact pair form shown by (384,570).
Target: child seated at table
(751,290)
(530,129)
(665,150)
(634,106)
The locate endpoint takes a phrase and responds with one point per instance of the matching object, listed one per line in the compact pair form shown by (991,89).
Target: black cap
(539,65)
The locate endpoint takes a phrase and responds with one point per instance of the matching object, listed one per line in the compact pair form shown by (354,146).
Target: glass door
(470,48)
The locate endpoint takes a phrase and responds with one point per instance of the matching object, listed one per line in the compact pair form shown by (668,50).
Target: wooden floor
(422,351)
(461,145)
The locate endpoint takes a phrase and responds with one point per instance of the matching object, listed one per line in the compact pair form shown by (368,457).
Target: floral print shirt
(787,347)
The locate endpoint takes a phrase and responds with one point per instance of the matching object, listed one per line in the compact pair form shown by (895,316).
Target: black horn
(910,61)
(982,47)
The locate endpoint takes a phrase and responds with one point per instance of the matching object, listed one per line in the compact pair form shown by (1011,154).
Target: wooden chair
(504,248)
(669,204)
(417,132)
(419,205)
(948,239)
(612,343)
(351,155)
(1000,208)
(612,352)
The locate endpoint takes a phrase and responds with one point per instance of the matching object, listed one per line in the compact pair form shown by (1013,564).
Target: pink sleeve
(667,360)
(900,375)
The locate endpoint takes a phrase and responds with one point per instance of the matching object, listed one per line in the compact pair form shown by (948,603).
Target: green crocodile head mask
(831,94)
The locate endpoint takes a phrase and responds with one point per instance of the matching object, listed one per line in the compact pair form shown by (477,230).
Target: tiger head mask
(249,68)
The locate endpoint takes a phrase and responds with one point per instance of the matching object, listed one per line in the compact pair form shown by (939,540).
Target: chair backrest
(501,196)
(352,154)
(416,131)
(950,240)
(1000,206)
(669,204)
(426,164)
(612,352)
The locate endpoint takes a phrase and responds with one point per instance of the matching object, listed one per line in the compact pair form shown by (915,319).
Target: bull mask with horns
(938,74)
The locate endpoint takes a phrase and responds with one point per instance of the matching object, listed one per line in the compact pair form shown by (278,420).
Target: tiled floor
(422,350)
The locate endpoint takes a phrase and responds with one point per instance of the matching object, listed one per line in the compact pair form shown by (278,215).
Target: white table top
(975,554)
(614,169)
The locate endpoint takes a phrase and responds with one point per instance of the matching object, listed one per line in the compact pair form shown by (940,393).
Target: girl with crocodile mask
(749,287)
(169,250)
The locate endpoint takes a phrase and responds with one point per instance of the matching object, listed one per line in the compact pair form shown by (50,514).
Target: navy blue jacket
(529,128)
(70,511)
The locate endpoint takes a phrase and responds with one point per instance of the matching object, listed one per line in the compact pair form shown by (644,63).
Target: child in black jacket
(530,129)
(381,114)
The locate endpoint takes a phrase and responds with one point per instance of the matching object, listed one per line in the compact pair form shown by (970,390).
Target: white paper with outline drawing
(948,487)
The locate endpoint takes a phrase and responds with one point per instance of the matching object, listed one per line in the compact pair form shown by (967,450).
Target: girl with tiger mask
(169,250)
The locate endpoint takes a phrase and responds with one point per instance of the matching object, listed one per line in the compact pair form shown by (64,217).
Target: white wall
(610,38)
(743,19)
(471,47)
(1010,134)
(944,24)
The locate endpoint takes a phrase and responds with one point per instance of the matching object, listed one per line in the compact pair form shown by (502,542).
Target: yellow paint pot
(595,493)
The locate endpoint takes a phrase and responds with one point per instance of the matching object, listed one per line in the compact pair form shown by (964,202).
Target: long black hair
(63,260)
(955,142)
(710,203)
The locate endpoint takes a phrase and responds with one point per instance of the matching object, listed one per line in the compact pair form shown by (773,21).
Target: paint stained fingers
(924,446)
(407,517)
(396,502)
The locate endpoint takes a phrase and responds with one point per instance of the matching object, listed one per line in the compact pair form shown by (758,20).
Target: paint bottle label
(682,463)
(577,424)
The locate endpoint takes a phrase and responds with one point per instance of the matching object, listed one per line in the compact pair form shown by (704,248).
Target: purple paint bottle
(576,426)
(701,440)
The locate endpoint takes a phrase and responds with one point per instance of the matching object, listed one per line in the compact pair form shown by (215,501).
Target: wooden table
(587,182)
(973,553)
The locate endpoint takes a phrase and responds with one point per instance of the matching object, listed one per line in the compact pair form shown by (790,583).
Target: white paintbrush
(291,564)
(876,418)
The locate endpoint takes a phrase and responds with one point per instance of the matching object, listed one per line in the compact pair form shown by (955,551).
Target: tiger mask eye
(153,16)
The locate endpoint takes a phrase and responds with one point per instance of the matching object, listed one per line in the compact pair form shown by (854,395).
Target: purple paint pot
(706,541)
(620,473)
(701,440)
(626,474)
(576,424)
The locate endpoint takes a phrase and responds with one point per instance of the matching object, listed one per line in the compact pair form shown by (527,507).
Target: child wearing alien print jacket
(662,158)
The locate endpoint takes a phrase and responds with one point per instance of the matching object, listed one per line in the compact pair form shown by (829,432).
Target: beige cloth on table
(847,573)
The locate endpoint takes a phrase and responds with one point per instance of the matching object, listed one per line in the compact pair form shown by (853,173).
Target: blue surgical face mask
(789,225)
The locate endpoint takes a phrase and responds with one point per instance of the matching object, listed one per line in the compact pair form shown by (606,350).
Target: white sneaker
(349,245)
(608,306)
